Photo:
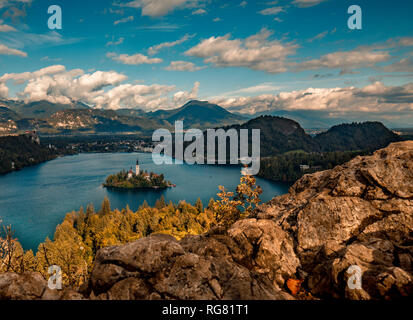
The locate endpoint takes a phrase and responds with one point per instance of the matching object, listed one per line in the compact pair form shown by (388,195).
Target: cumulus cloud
(155,49)
(182,97)
(158,8)
(346,60)
(4,91)
(256,52)
(11,52)
(101,89)
(135,59)
(64,86)
(373,101)
(20,78)
(127,95)
(182,66)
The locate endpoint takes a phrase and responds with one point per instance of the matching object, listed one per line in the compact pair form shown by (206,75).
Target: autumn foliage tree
(231,207)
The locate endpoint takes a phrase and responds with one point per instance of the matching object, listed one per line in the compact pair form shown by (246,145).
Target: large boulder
(160,267)
(32,286)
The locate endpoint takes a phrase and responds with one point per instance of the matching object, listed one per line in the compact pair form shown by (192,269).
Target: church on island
(138,172)
(137,179)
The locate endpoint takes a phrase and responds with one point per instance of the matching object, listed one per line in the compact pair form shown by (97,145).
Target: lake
(36,199)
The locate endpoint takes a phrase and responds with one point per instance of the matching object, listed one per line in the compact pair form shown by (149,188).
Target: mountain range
(278,134)
(78,118)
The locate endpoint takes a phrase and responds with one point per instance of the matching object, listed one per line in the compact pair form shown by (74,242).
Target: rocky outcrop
(32,286)
(360,213)
(356,215)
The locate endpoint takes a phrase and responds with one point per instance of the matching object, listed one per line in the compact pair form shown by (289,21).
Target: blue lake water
(36,199)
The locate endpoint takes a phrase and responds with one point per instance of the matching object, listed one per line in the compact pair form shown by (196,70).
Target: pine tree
(145,204)
(198,205)
(160,203)
(90,210)
(105,210)
(211,203)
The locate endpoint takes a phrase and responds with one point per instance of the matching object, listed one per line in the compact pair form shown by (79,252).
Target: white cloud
(124,20)
(373,101)
(403,65)
(25,76)
(271,11)
(115,43)
(128,95)
(101,89)
(199,12)
(182,66)
(155,49)
(182,97)
(346,60)
(135,59)
(64,86)
(259,88)
(11,52)
(319,36)
(243,4)
(307,3)
(158,8)
(4,91)
(256,52)
(5,27)
(406,42)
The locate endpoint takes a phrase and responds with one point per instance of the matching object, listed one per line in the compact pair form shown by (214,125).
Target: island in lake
(137,180)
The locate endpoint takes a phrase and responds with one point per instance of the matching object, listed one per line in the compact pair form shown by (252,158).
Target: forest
(82,233)
(20,151)
(287,167)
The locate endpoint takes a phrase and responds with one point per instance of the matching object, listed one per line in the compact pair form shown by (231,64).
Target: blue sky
(248,56)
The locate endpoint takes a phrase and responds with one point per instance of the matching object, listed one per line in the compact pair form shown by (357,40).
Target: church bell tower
(137,171)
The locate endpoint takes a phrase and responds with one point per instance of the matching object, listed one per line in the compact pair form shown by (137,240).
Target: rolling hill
(356,136)
(40,109)
(279,135)
(198,114)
